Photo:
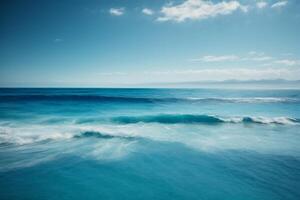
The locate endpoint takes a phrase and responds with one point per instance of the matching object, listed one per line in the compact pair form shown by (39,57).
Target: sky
(113,43)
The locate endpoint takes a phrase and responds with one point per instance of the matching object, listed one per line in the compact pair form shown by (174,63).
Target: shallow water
(149,144)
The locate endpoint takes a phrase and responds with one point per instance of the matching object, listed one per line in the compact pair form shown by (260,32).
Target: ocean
(149,144)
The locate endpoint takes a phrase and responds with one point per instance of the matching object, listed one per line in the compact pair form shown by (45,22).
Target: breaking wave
(46,133)
(119,127)
(97,134)
(203,119)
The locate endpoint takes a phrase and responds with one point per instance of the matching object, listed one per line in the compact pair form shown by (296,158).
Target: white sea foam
(42,143)
(262,120)
(36,144)
(114,149)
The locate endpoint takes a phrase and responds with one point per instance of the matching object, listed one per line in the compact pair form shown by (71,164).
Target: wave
(100,98)
(97,134)
(37,143)
(202,119)
(39,148)
(119,127)
(40,134)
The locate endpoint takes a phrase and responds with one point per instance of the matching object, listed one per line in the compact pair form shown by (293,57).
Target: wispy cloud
(288,62)
(279,4)
(260,58)
(147,11)
(252,56)
(257,56)
(117,11)
(199,10)
(261,4)
(217,58)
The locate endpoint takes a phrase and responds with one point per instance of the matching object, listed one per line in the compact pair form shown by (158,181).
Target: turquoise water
(149,144)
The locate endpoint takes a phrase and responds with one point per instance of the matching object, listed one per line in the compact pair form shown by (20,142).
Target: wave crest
(202,119)
(40,134)
(97,134)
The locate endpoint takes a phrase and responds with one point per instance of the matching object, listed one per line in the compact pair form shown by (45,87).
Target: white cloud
(288,62)
(279,4)
(261,58)
(253,56)
(147,11)
(117,11)
(198,10)
(257,56)
(261,4)
(217,58)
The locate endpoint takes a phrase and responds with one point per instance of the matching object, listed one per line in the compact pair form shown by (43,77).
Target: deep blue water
(149,144)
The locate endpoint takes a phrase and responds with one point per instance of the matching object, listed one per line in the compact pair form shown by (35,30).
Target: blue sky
(103,43)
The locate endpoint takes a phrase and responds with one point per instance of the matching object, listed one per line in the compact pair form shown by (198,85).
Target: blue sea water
(149,144)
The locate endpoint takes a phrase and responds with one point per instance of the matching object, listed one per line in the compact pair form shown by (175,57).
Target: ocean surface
(149,144)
